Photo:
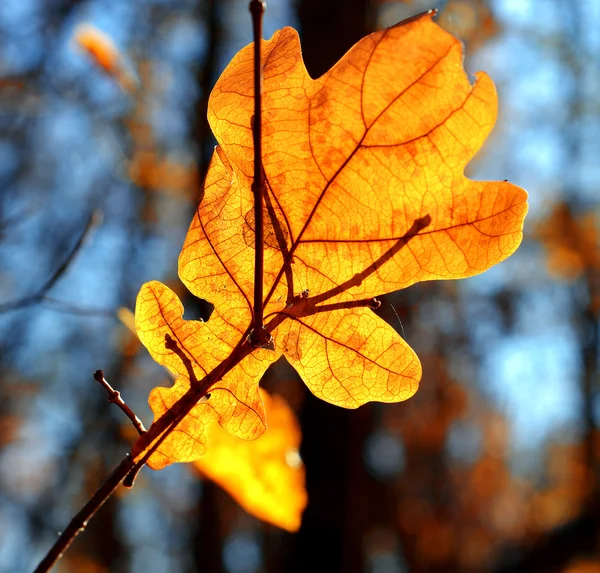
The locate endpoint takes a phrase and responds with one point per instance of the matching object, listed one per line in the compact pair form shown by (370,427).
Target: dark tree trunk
(207,539)
(330,538)
(328,29)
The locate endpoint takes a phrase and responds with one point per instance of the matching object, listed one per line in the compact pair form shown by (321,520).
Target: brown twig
(166,423)
(80,521)
(370,302)
(281,240)
(305,305)
(417,226)
(128,468)
(170,344)
(114,397)
(258,336)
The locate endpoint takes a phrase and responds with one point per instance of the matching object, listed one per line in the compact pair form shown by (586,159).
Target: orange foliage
(435,541)
(9,428)
(102,50)
(571,482)
(573,242)
(583,566)
(150,171)
(148,168)
(266,476)
(365,194)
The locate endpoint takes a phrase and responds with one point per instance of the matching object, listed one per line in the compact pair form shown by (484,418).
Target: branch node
(114,397)
(261,340)
(257,7)
(130,478)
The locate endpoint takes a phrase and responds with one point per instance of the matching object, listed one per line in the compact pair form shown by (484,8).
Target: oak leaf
(365,194)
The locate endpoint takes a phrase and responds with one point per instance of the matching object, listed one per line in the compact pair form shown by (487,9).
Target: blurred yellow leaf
(103,52)
(265,476)
(127,318)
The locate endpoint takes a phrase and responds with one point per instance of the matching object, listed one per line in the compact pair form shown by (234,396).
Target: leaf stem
(304,305)
(258,336)
(79,522)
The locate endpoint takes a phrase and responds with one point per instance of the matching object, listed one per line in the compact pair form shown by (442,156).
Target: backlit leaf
(365,195)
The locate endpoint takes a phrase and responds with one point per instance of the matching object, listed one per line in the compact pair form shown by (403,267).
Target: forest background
(492,466)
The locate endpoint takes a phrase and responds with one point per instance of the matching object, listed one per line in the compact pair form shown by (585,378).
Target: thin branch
(170,344)
(80,521)
(114,397)
(417,226)
(371,303)
(197,392)
(68,308)
(303,305)
(258,336)
(30,300)
(128,468)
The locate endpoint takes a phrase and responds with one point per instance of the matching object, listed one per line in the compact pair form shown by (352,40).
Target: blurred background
(492,466)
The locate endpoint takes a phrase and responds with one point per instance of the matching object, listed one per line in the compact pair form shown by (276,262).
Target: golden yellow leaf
(365,194)
(266,476)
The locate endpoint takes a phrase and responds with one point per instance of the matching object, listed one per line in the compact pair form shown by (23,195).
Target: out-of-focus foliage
(265,476)
(104,53)
(572,242)
(491,466)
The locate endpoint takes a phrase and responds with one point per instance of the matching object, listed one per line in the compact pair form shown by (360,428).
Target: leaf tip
(432,13)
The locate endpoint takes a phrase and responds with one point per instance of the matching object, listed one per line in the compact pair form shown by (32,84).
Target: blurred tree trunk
(329,29)
(205,78)
(207,544)
(331,530)
(206,540)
